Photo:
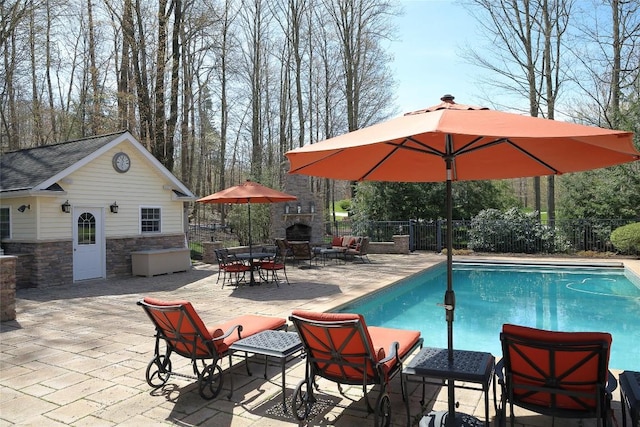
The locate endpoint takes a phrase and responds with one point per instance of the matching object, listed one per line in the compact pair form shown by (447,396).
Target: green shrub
(626,239)
(511,231)
(345,205)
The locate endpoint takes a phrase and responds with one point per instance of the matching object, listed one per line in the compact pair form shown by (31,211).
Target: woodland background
(219,90)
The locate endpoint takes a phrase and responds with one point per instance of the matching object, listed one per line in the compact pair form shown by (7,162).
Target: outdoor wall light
(312,207)
(66,207)
(287,208)
(114,207)
(24,208)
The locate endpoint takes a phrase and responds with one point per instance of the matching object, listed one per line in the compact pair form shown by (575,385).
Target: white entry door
(88,244)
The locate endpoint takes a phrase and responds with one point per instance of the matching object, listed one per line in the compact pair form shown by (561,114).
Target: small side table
(468,366)
(328,253)
(630,397)
(278,344)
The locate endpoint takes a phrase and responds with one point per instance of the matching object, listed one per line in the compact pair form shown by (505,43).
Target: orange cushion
(565,362)
(336,241)
(376,342)
(251,324)
(384,337)
(169,321)
(354,351)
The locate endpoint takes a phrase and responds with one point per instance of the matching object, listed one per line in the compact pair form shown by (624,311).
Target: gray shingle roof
(25,169)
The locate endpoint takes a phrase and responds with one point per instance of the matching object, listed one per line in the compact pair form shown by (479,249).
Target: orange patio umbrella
(248,192)
(454,142)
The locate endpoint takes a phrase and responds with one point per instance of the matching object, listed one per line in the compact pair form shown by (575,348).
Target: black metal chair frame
(272,266)
(183,336)
(302,251)
(557,382)
(229,267)
(320,360)
(282,247)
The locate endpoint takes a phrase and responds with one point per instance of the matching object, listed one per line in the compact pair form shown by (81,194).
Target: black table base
(467,366)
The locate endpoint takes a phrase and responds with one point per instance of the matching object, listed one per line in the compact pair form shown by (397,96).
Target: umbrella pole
(252,280)
(449,296)
(249,219)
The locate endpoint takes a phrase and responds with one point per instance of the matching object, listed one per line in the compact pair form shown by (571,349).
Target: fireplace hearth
(299,232)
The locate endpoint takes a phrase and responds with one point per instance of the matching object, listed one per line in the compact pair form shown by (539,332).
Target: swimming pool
(551,297)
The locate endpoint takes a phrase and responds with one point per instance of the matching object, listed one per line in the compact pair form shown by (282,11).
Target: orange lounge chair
(181,329)
(341,348)
(560,374)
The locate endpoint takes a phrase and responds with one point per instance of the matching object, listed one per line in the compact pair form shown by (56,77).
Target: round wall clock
(121,162)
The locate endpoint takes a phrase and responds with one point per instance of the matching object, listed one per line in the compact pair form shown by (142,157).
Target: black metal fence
(567,236)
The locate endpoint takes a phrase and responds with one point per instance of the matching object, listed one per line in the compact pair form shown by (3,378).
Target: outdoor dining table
(254,259)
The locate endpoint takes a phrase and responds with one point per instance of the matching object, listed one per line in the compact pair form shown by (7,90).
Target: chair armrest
(612,383)
(229,332)
(393,353)
(499,371)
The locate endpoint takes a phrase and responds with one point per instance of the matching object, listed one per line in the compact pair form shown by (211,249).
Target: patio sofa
(345,242)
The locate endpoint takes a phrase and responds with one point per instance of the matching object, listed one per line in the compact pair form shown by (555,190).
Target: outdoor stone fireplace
(299,232)
(301,219)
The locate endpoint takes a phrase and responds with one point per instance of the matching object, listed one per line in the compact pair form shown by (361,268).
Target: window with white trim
(150,220)
(5,223)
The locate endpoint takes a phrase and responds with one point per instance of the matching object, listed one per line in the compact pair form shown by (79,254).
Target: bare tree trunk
(52,110)
(36,109)
(139,54)
(224,105)
(95,120)
(616,65)
(125,58)
(11,123)
(175,83)
(159,144)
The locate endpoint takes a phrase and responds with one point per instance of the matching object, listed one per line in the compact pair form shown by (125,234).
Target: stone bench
(160,261)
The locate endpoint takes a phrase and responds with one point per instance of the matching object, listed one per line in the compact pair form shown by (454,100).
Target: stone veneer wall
(119,250)
(7,288)
(41,264)
(44,264)
(299,186)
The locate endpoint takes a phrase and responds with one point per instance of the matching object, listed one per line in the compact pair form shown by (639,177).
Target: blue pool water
(487,296)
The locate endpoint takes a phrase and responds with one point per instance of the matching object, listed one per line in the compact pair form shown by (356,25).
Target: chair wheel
(210,382)
(158,371)
(302,401)
(383,412)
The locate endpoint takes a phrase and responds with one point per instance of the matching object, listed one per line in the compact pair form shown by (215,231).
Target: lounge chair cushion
(587,371)
(378,339)
(251,324)
(200,328)
(384,337)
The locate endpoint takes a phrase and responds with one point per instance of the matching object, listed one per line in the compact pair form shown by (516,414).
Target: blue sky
(427,64)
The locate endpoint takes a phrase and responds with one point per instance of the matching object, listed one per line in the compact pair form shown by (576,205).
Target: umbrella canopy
(481,143)
(248,192)
(454,142)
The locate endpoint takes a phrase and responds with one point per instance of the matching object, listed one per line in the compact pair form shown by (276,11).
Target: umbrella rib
(427,149)
(389,154)
(301,168)
(466,150)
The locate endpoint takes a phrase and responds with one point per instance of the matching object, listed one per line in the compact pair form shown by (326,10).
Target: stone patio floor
(76,355)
